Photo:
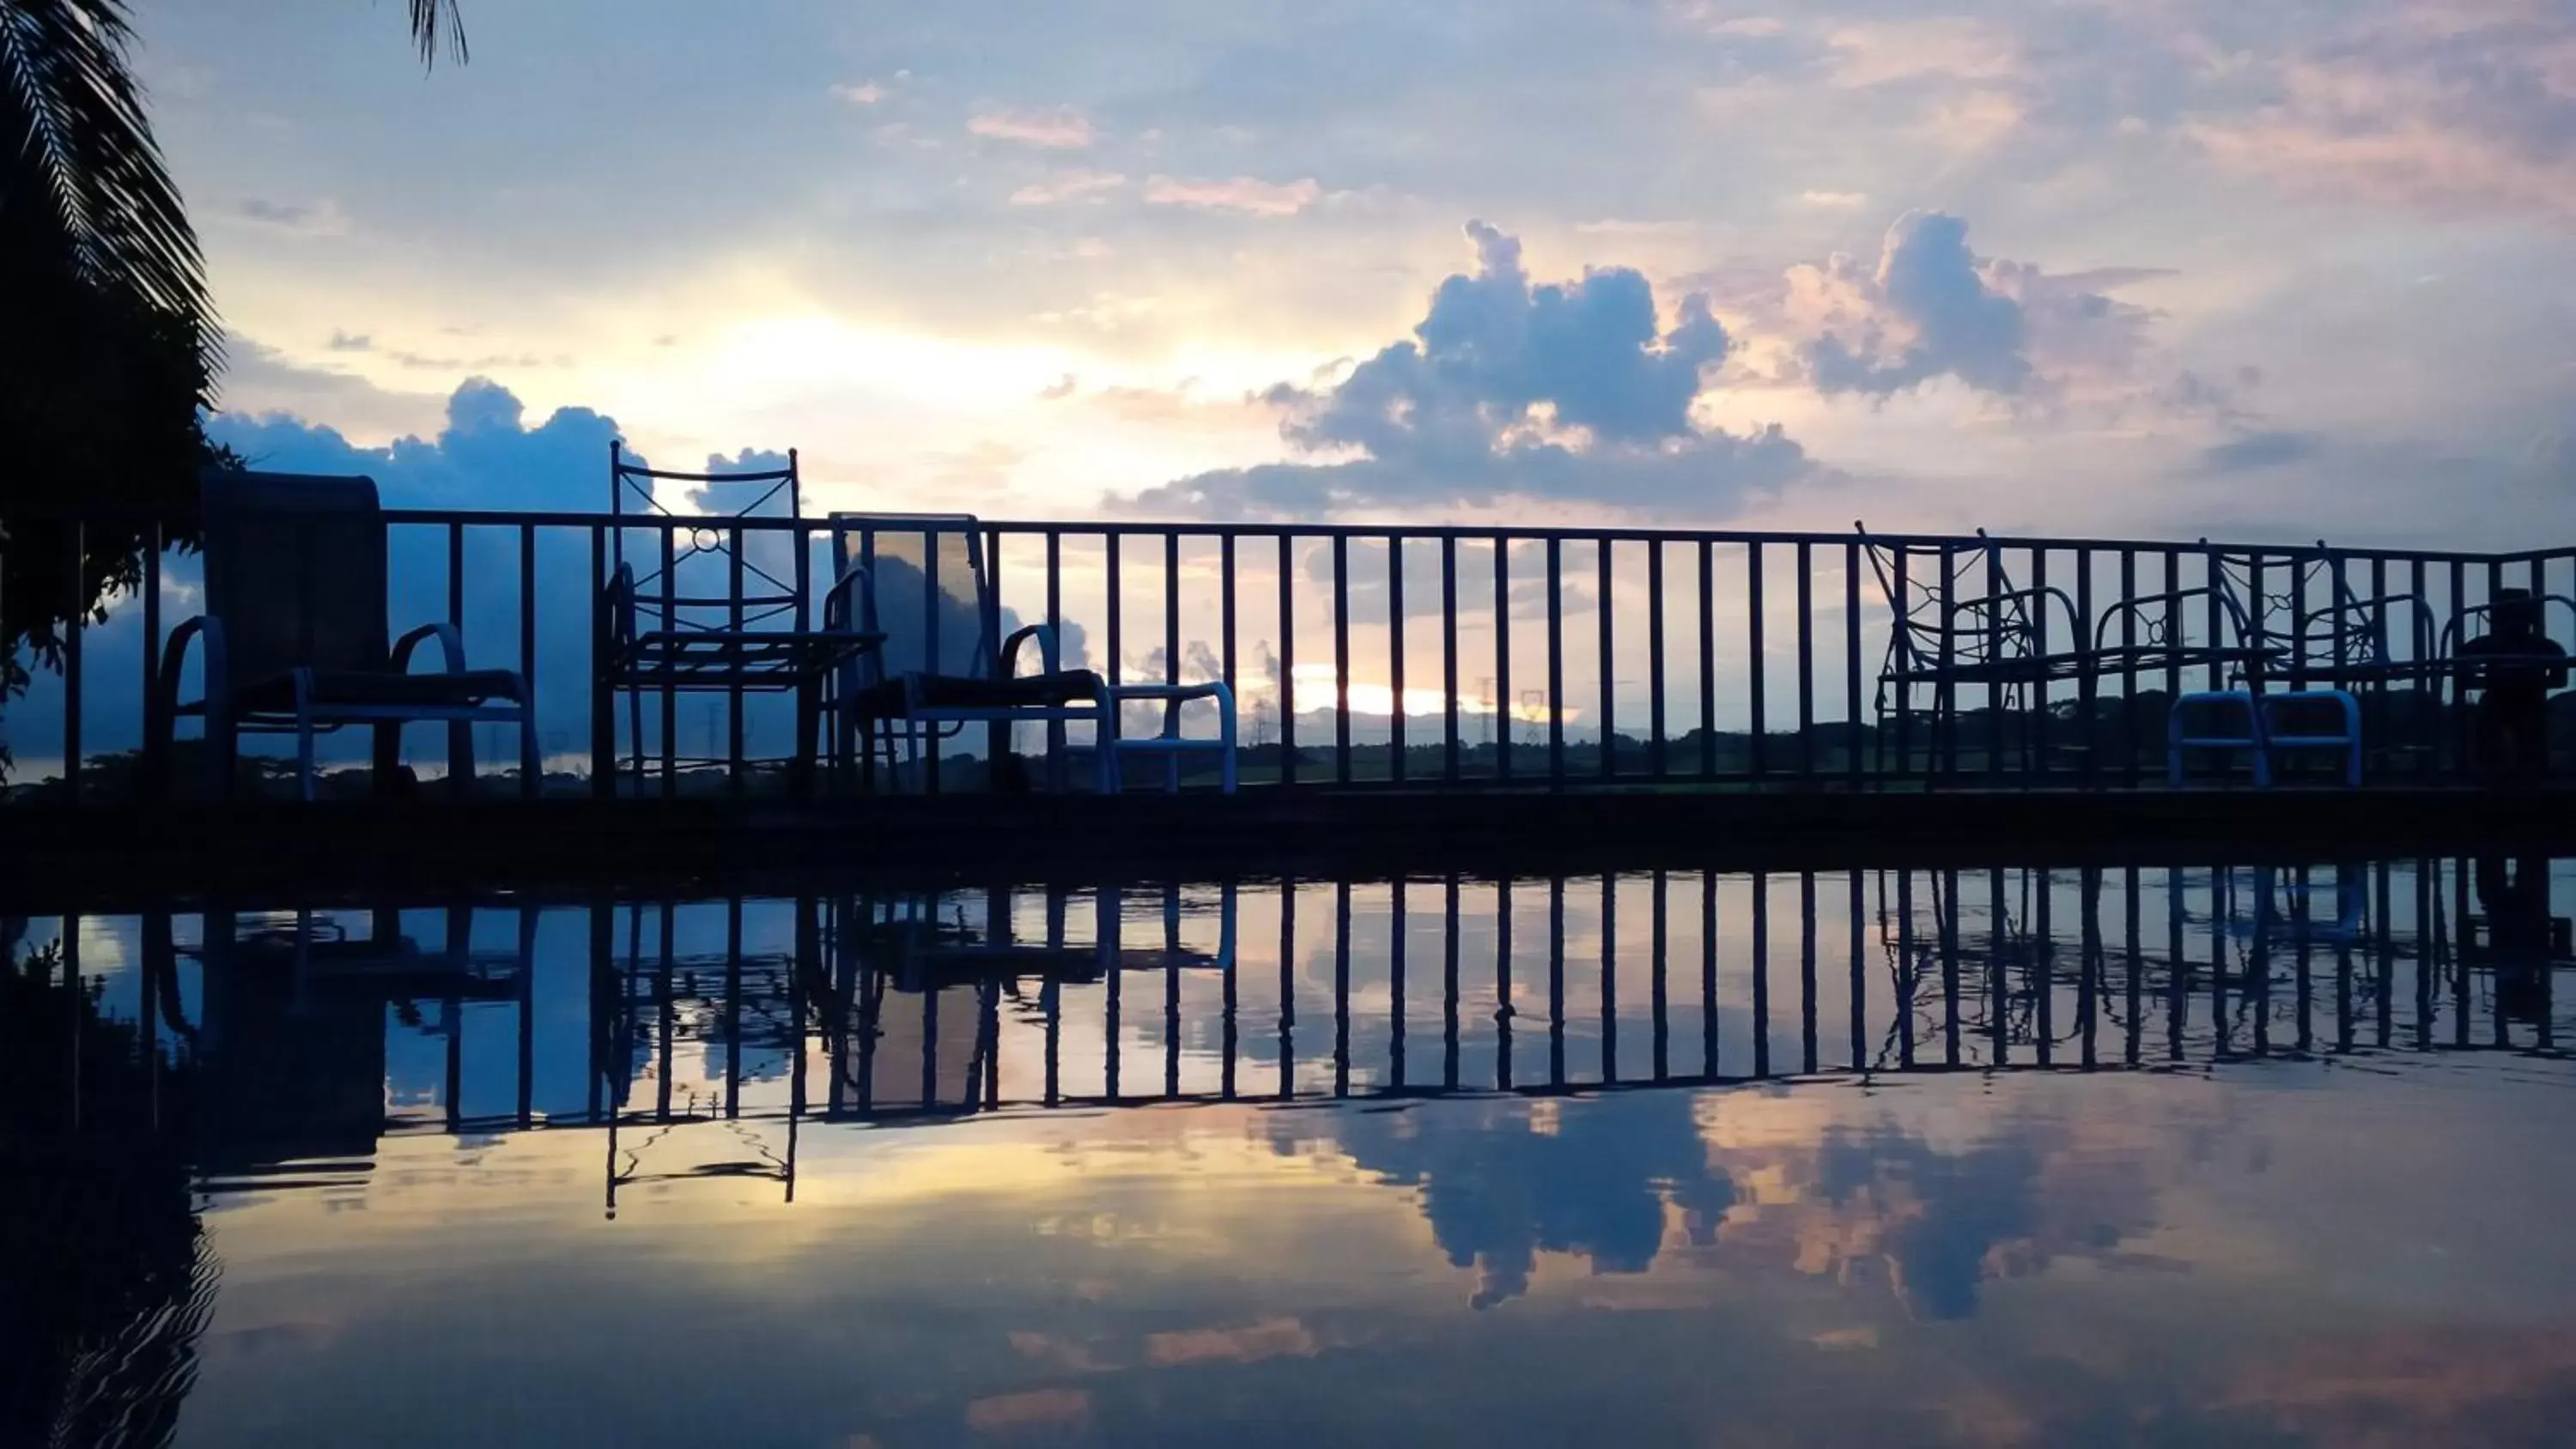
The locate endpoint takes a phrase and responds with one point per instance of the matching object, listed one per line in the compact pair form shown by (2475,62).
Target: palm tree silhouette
(113,344)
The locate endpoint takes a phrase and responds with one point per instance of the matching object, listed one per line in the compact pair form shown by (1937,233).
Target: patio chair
(699,614)
(293,637)
(918,582)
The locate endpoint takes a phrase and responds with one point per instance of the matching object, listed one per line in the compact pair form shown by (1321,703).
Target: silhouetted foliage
(106,1279)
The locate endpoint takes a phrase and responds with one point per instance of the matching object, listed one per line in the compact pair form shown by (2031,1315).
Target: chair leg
(635,735)
(460,759)
(221,741)
(304,752)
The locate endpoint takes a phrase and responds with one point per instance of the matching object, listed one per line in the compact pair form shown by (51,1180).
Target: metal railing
(1378,655)
(1295,989)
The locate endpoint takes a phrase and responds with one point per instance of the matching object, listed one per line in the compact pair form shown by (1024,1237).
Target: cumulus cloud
(1931,308)
(1574,391)
(864,93)
(1249,195)
(1064,129)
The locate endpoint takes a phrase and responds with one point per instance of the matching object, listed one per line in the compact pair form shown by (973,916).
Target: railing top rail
(1482,533)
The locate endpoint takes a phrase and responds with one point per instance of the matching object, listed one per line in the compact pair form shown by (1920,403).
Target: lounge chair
(294,636)
(919,583)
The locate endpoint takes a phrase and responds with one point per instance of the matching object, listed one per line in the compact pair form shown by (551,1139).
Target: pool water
(1998,1157)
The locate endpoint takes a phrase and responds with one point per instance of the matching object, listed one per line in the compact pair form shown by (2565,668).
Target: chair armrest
(1048,658)
(451,644)
(839,599)
(208,631)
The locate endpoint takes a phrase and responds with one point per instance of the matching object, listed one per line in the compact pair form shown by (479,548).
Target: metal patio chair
(699,614)
(293,639)
(919,583)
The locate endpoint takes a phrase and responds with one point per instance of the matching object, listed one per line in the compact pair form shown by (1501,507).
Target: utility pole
(1485,698)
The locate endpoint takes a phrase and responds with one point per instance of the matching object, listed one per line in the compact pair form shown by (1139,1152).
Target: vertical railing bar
(1859,1003)
(530,785)
(1449,659)
(733,695)
(1708,1052)
(1901,656)
(1946,888)
(2088,687)
(1707,661)
(1806,565)
(1761,974)
(2128,733)
(1609,975)
(1609,729)
(1655,657)
(670,694)
(1395,973)
(1503,1007)
(1396,743)
(1808,1006)
(2035,729)
(1555,663)
(1505,716)
(1662,1002)
(1853,729)
(1556,981)
(1341,659)
(1341,979)
(1758,728)
(1449,984)
(1226,657)
(1996,691)
(1287,974)
(2463,749)
(1287,701)
(1057,765)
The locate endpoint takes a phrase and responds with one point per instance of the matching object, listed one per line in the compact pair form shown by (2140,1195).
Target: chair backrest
(295,569)
(926,592)
(694,577)
(1936,591)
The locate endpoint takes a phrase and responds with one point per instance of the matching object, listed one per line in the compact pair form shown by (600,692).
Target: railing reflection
(308,1036)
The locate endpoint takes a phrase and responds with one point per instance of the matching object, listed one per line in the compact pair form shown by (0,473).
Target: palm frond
(434,21)
(86,199)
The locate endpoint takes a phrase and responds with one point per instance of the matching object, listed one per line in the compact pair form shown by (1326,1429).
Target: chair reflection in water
(291,1026)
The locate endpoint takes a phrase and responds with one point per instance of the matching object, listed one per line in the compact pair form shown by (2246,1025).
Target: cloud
(1954,49)
(1933,308)
(1573,391)
(1835,200)
(1064,129)
(865,93)
(1245,194)
(302,219)
(345,342)
(2435,108)
(1068,186)
(2257,451)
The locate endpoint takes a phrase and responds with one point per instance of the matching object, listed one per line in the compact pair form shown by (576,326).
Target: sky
(2165,268)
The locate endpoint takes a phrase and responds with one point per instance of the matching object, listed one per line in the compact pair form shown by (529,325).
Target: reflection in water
(1911,1086)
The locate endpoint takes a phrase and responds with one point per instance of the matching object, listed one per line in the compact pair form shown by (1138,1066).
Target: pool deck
(112,857)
